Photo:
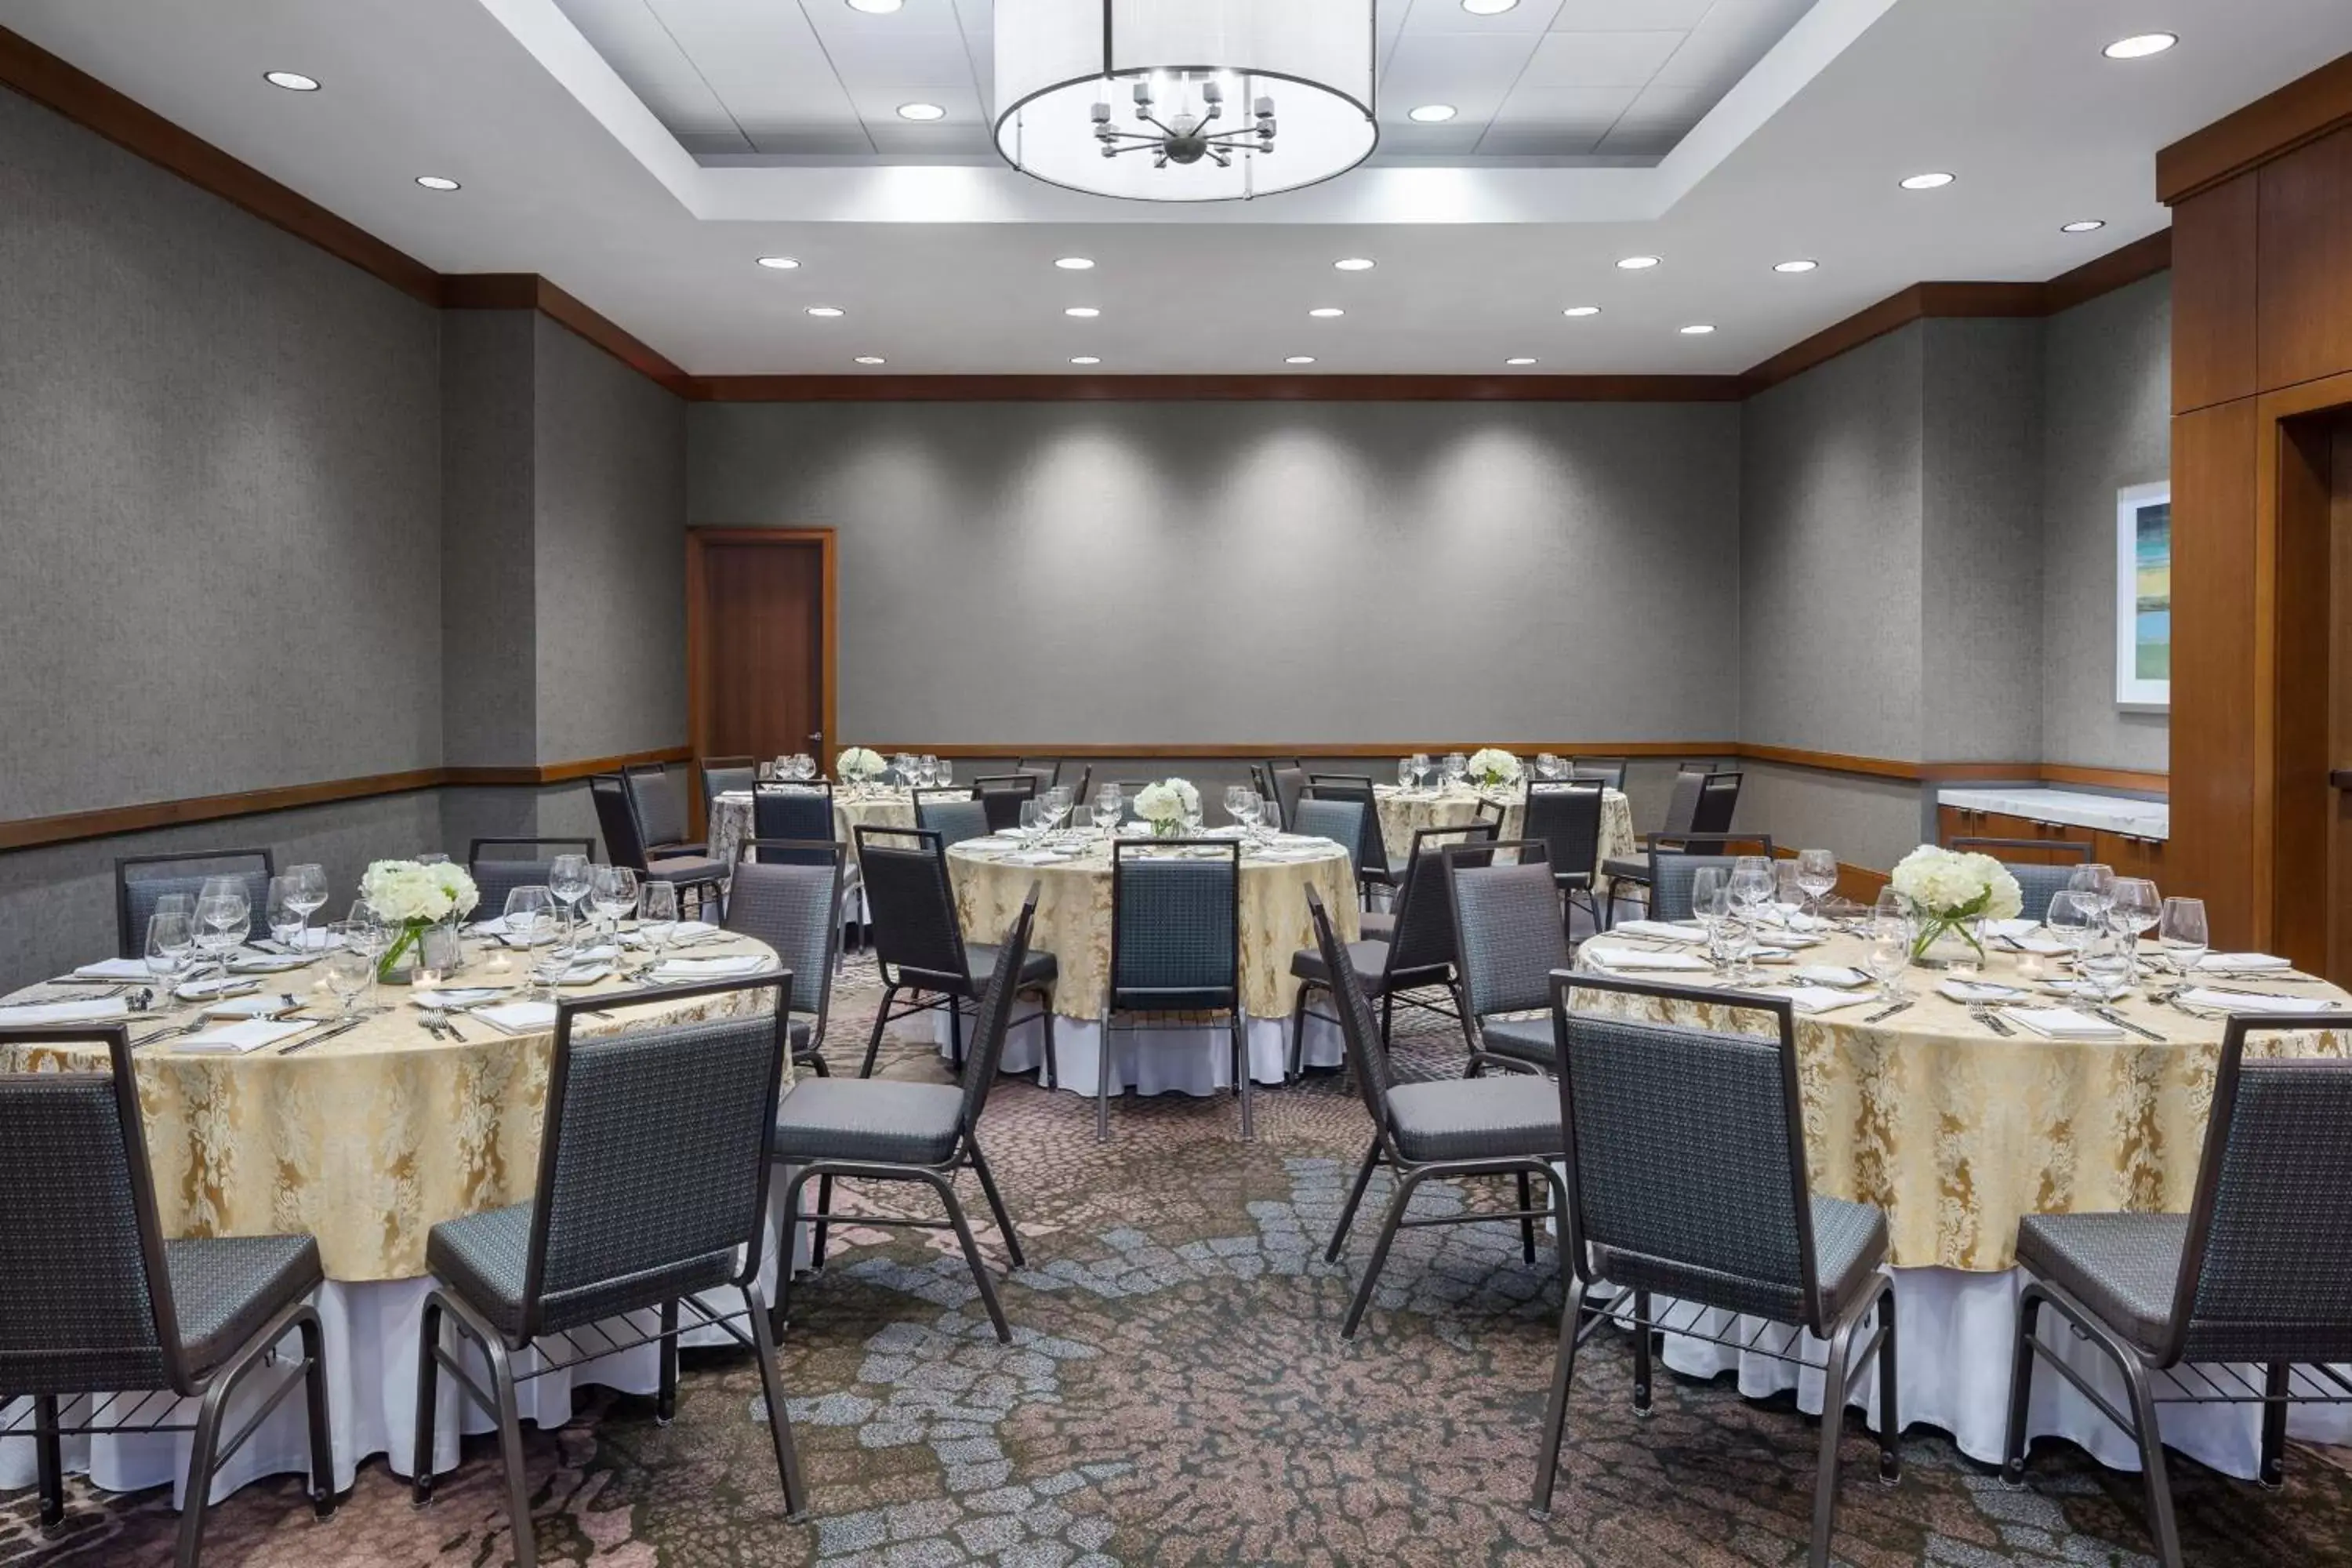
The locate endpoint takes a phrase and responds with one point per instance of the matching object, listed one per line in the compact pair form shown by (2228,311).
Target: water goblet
(349,966)
(285,915)
(656,920)
(311,894)
(2133,907)
(2093,885)
(1817,874)
(567,879)
(613,892)
(2181,934)
(1109,806)
(170,942)
(1421,767)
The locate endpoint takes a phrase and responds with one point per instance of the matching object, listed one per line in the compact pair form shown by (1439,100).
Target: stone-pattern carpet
(1177,1392)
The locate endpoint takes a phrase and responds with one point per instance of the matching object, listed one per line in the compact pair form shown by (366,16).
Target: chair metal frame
(1607,772)
(498,1351)
(617,788)
(1659,845)
(1576,880)
(53,1416)
(131,943)
(1052,775)
(2284,1382)
(631,772)
(1120,849)
(988,1049)
(1369,871)
(1843,1364)
(990,789)
(1478,857)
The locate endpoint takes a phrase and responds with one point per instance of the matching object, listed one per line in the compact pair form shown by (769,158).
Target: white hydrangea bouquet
(410,896)
(1493,767)
(858,764)
(1168,805)
(1949,891)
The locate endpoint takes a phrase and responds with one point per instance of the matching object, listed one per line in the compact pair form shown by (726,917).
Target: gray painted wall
(1043,573)
(220,475)
(2107,392)
(489,689)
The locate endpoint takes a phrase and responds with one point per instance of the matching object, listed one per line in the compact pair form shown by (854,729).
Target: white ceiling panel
(765,62)
(660,73)
(1529,17)
(865,59)
(1598,59)
(1629,15)
(1731,38)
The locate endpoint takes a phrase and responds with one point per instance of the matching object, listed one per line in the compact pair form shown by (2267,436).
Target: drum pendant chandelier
(1184,101)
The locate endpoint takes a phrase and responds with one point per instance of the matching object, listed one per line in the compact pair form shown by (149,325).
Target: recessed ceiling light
(437,183)
(1488,8)
(876,7)
(1936,180)
(1636,263)
(2139,46)
(778,263)
(1582,310)
(871,359)
(1431,114)
(1325,312)
(825,310)
(1300,359)
(1794,266)
(1084,359)
(1696,330)
(292,81)
(1520,359)
(1074,263)
(2083,225)
(921,112)
(1084,313)
(1354,264)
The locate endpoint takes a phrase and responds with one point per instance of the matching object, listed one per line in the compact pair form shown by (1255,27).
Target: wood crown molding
(32,832)
(2302,111)
(530,292)
(1217,388)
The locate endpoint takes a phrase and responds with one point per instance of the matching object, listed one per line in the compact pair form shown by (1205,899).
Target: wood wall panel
(2305,263)
(2214,678)
(2213,273)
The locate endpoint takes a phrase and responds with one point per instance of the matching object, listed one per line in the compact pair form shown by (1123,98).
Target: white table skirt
(370,1351)
(1956,1333)
(1195,1059)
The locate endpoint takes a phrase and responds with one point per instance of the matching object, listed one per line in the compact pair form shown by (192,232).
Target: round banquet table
(1073,923)
(1957,1132)
(862,805)
(1404,812)
(366,1141)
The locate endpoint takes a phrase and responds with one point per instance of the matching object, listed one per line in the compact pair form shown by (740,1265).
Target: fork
(1983,1014)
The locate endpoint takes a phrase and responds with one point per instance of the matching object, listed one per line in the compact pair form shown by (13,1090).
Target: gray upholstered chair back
(2267,1272)
(81,1251)
(796,814)
(141,880)
(1370,849)
(1686,1154)
(1507,927)
(1682,805)
(661,804)
(1718,798)
(654,1160)
(993,1017)
(616,820)
(1175,924)
(1360,1031)
(1289,787)
(2035,887)
(1341,821)
(1670,881)
(911,901)
(1423,938)
(1566,818)
(1002,795)
(1607,772)
(722,775)
(791,906)
(521,866)
(954,820)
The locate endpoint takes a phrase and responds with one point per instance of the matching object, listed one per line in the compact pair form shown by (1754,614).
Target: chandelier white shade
(1184,101)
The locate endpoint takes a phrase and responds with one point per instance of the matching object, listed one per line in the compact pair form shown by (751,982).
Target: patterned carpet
(1178,1394)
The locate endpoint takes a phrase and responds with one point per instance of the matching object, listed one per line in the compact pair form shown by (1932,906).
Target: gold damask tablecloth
(1404,812)
(367,1141)
(880,805)
(1957,1132)
(1074,917)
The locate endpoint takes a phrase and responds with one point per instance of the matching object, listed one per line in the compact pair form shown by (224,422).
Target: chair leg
(946,1189)
(1102,1082)
(1355,1198)
(1462,1014)
(203,1449)
(322,1437)
(666,1391)
(1890,1419)
(1298,1029)
(518,1482)
(1398,1203)
(1555,1427)
(1527,1219)
(873,1041)
(780,1424)
(2151,1459)
(1836,1373)
(2274,1394)
(1642,1352)
(955,1032)
(428,1394)
(786,1248)
(823,1220)
(1245,1081)
(49,1459)
(1045,1019)
(996,1204)
(2021,1387)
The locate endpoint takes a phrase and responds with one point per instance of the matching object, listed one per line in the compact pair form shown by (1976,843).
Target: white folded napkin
(113,969)
(236,1039)
(2042,946)
(2253,1001)
(2014,930)
(460,995)
(678,969)
(1038,858)
(1661,931)
(317,939)
(244,1006)
(1634,958)
(2226,960)
(202,986)
(517,1018)
(1979,990)
(2063,1023)
(1812,999)
(1837,976)
(584,975)
(692,931)
(81,1012)
(270,963)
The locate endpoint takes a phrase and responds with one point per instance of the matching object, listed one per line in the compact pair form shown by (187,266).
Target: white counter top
(2103,813)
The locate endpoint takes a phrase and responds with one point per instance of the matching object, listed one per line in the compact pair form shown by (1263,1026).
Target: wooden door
(760,639)
(2312,878)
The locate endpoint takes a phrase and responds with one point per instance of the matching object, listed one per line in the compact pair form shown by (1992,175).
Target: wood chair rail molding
(32,832)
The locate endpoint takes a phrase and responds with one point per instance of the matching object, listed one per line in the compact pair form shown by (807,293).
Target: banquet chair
(889,1130)
(1127,790)
(1003,794)
(94,1303)
(721,774)
(1416,958)
(1289,787)
(1048,770)
(1674,862)
(1682,816)
(1607,772)
(654,1159)
(796,822)
(1341,822)
(624,845)
(1566,818)
(140,880)
(1083,794)
(791,901)
(1371,850)
(495,876)
(1685,1178)
(954,820)
(1509,939)
(918,945)
(661,809)
(1261,778)
(1718,801)
(2036,880)
(2259,1270)
(1447,1130)
(1175,947)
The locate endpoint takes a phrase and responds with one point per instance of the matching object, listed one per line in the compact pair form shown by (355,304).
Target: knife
(2120,1022)
(344,1027)
(1885,1012)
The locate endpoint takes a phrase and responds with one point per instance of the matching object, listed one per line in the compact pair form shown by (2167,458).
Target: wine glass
(2181,933)
(1234,794)
(928,767)
(349,965)
(284,913)
(171,941)
(656,919)
(1405,773)
(530,912)
(222,922)
(1057,805)
(947,771)
(1033,821)
(1250,813)
(2104,969)
(2093,885)
(2074,919)
(1727,939)
(1109,805)
(1547,765)
(1421,767)
(1457,768)
(2133,907)
(310,895)
(567,879)
(613,892)
(1817,874)
(1888,953)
